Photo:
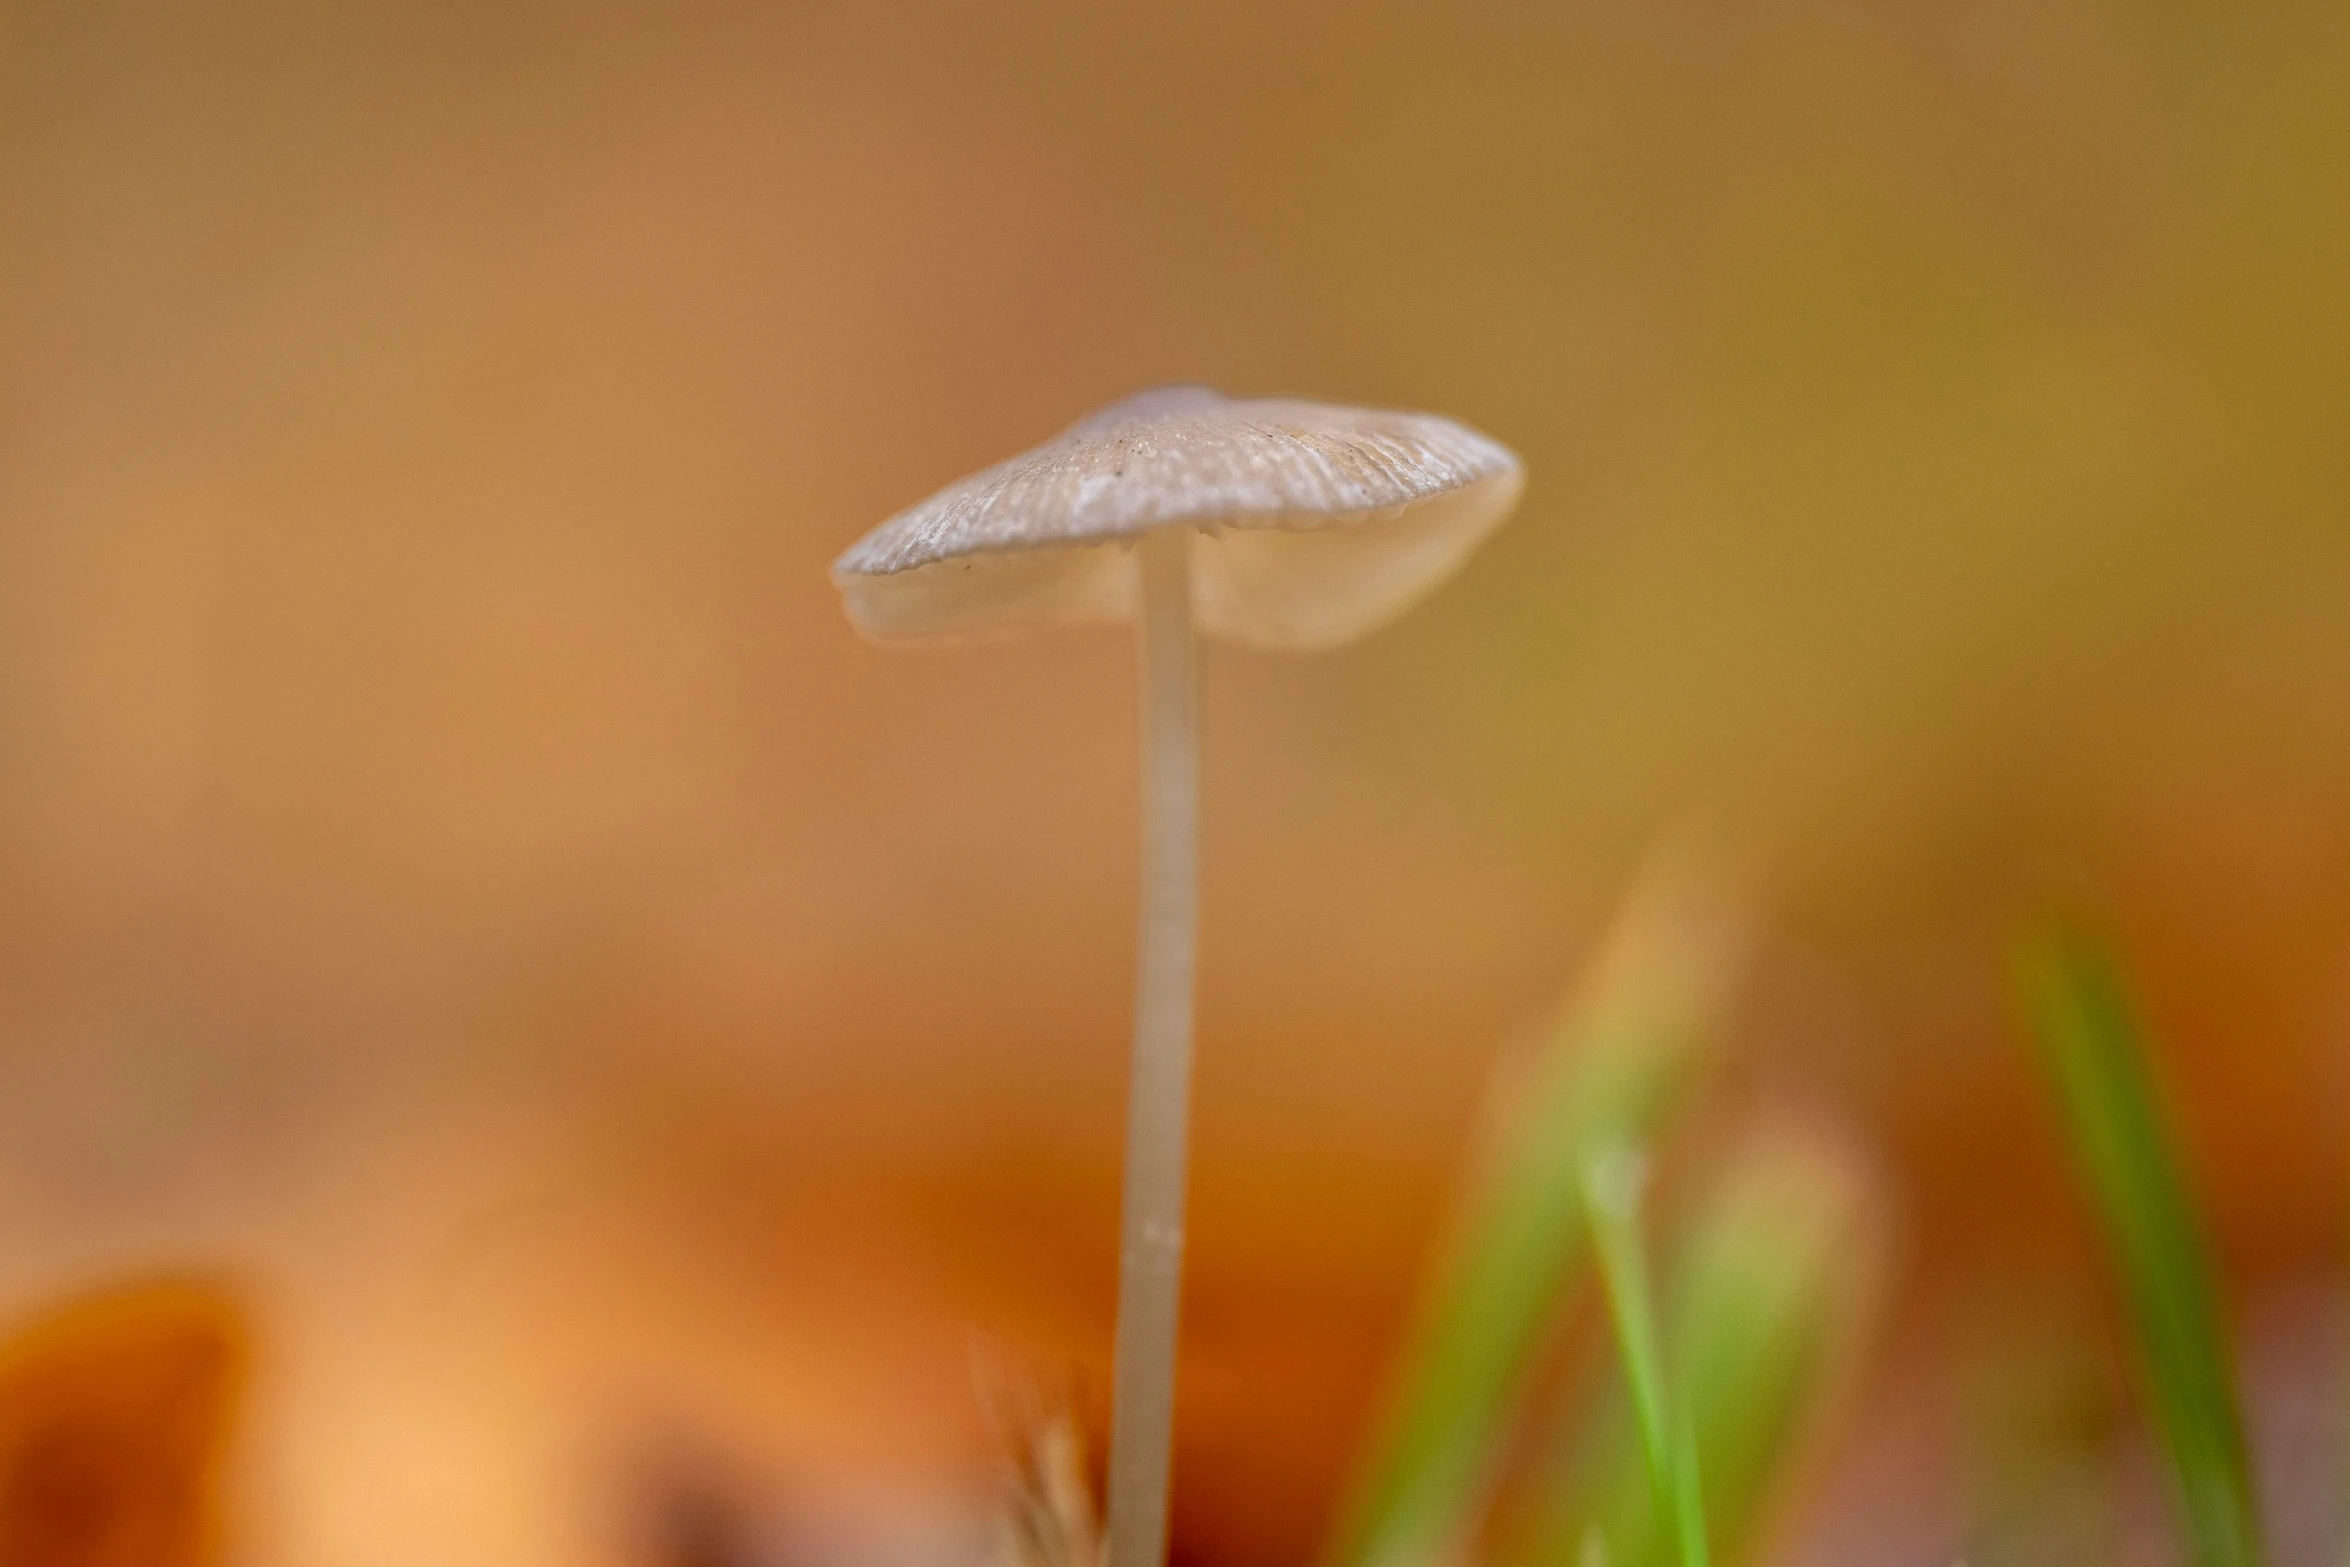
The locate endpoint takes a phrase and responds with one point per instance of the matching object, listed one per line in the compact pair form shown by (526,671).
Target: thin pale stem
(1158,1109)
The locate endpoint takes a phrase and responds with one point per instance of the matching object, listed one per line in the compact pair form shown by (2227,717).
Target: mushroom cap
(1315,523)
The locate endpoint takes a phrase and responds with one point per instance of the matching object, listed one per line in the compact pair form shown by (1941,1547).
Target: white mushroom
(1266,521)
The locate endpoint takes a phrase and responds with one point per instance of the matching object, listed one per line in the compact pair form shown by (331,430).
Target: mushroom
(1271,522)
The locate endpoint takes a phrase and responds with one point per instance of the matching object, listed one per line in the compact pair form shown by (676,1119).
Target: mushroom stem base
(1158,1111)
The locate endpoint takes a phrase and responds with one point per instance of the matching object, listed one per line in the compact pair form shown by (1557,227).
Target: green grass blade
(1769,1291)
(1612,1186)
(2079,1007)
(1607,1073)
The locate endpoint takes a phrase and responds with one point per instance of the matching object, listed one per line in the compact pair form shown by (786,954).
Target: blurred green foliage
(2080,1009)
(1613,1185)
(1606,1075)
(1766,1287)
(1768,1284)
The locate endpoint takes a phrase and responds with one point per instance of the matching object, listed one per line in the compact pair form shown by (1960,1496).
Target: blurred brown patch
(1049,1507)
(114,1416)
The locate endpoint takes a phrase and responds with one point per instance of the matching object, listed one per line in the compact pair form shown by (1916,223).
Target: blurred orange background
(459,871)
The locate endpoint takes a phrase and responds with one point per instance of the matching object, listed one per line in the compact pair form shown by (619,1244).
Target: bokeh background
(461,879)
